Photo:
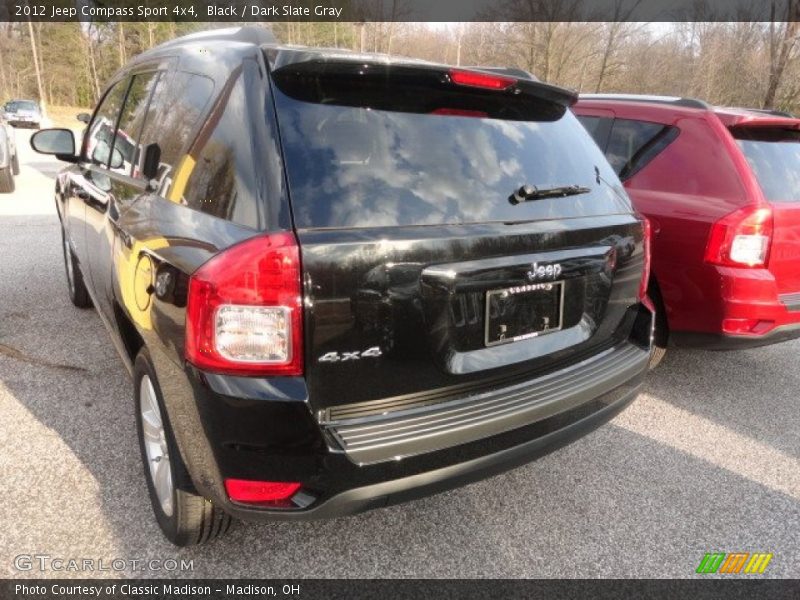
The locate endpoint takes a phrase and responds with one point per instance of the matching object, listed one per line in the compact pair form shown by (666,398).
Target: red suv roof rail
(673,100)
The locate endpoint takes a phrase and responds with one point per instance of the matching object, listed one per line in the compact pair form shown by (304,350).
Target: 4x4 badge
(373,352)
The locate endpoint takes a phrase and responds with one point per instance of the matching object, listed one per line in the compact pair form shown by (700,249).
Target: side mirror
(60,142)
(152,158)
(84,117)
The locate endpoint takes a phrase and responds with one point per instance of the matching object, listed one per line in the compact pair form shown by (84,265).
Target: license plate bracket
(522,312)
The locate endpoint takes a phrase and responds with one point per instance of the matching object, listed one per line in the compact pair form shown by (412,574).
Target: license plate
(522,312)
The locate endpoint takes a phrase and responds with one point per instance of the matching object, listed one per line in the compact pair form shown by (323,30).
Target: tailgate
(774,156)
(424,277)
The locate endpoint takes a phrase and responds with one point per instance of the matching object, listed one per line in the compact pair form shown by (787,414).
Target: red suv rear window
(774,156)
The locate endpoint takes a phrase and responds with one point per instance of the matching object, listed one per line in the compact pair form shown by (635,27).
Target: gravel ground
(707,459)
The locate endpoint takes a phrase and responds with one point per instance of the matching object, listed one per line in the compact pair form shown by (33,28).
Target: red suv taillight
(648,232)
(741,239)
(244,310)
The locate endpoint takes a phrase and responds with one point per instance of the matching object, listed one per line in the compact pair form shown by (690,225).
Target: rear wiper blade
(531,192)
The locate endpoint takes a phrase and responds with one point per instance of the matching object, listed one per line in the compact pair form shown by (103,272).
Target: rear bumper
(412,487)
(720,341)
(24,123)
(733,295)
(264,429)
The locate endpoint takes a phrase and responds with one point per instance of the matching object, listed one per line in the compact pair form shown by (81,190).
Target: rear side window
(774,156)
(100,136)
(598,128)
(131,120)
(633,144)
(400,159)
(173,118)
(223,180)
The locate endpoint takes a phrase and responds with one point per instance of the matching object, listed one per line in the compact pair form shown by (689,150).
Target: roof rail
(673,100)
(247,35)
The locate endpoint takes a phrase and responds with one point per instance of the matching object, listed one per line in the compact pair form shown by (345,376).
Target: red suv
(721,188)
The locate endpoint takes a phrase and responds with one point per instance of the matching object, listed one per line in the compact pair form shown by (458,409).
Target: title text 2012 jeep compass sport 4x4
(342,281)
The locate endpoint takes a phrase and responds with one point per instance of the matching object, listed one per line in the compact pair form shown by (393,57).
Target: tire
(661,333)
(15,164)
(6,180)
(78,294)
(185,517)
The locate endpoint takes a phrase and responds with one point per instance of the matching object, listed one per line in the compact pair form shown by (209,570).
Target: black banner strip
(222,589)
(241,11)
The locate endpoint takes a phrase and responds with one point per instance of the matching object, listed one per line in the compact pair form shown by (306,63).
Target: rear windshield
(22,105)
(774,156)
(357,166)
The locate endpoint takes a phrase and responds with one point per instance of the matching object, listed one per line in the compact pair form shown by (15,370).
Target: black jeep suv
(341,281)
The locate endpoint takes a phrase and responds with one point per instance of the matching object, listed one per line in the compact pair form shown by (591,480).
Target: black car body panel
(396,304)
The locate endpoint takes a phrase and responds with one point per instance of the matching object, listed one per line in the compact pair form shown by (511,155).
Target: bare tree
(782,43)
(37,67)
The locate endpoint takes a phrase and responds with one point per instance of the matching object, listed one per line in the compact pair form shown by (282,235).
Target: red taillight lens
(741,239)
(481,80)
(646,253)
(244,309)
(274,493)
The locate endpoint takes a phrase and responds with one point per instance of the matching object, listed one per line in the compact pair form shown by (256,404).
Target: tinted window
(774,156)
(100,134)
(131,121)
(223,179)
(358,167)
(598,128)
(173,118)
(633,144)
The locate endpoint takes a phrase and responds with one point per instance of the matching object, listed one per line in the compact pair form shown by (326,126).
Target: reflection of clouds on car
(392,168)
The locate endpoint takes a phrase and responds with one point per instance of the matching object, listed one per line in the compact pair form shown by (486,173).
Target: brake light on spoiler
(485,81)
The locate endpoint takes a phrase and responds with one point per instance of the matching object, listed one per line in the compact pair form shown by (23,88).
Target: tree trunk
(93,65)
(36,66)
(612,34)
(459,38)
(781,46)
(122,55)
(3,82)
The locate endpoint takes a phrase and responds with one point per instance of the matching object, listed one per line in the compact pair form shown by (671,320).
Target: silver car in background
(9,160)
(23,113)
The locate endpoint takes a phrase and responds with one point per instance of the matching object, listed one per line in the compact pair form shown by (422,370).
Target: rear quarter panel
(683,191)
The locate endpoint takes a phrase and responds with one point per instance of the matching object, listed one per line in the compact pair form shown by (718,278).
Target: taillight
(244,310)
(646,241)
(481,80)
(274,493)
(741,238)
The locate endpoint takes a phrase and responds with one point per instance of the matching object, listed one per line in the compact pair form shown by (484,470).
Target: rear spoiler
(421,88)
